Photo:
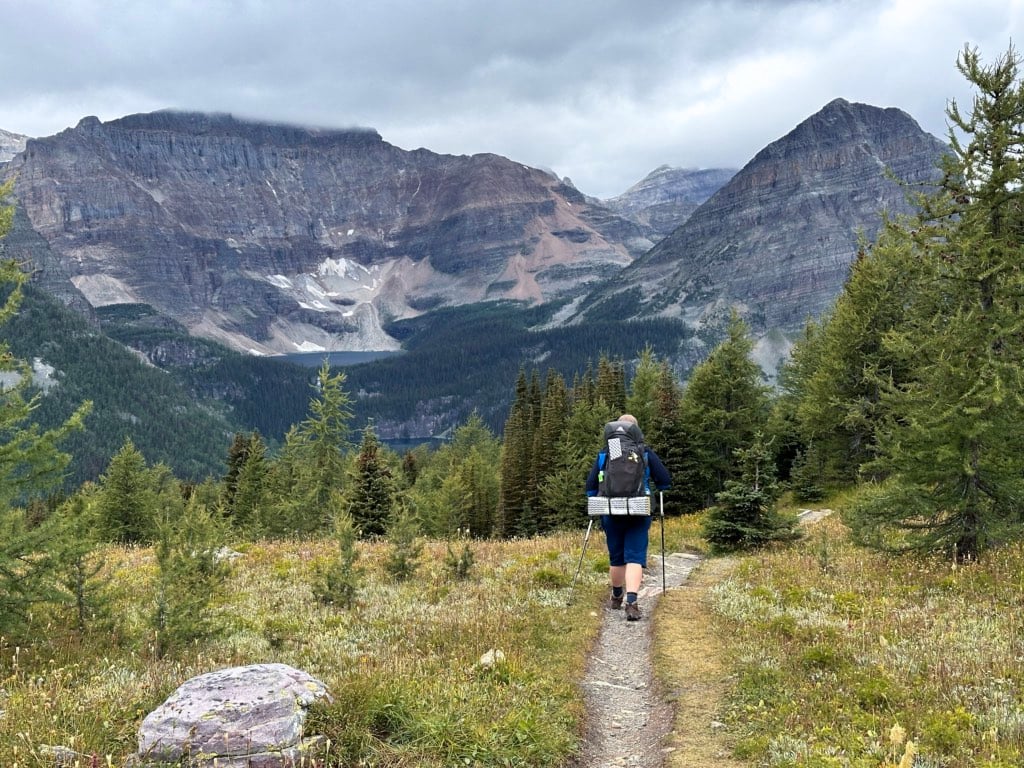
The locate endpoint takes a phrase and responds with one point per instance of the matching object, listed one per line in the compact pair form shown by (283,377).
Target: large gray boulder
(242,717)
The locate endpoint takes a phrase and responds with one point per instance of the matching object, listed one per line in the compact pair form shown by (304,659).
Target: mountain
(10,144)
(276,239)
(667,196)
(778,239)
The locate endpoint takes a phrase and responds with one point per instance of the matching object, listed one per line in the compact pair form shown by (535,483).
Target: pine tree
(513,502)
(611,384)
(952,449)
(563,492)
(315,459)
(667,435)
(80,563)
(724,404)
(841,406)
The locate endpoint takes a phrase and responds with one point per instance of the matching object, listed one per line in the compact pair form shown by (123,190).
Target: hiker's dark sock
(630,597)
(617,591)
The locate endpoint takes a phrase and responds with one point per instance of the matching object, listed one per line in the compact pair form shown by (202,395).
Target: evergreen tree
(553,414)
(251,495)
(128,501)
(668,437)
(643,392)
(237,454)
(315,459)
(563,492)
(338,581)
(610,384)
(371,492)
(31,464)
(952,448)
(191,574)
(405,547)
(80,563)
(745,515)
(513,501)
(457,488)
(724,404)
(841,406)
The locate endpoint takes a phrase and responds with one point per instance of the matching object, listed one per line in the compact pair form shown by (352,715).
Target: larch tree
(952,449)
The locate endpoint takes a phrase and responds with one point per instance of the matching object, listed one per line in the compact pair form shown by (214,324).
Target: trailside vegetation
(342,558)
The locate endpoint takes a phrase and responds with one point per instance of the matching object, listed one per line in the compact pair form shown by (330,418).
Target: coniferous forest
(908,396)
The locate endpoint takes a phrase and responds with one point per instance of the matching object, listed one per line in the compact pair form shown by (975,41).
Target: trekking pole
(661,502)
(580,564)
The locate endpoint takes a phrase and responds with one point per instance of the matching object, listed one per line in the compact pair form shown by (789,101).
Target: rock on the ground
(241,716)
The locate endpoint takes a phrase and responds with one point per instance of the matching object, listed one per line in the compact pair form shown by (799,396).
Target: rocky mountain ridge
(667,196)
(777,240)
(276,239)
(11,144)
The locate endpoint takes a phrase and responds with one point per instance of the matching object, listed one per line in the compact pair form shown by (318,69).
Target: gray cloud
(599,90)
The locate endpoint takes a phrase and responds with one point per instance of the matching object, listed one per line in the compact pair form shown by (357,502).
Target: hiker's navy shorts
(627,538)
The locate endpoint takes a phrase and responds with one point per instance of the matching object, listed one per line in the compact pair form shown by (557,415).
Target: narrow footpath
(627,718)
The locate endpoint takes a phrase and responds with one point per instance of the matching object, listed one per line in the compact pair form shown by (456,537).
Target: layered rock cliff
(10,144)
(276,238)
(778,239)
(666,197)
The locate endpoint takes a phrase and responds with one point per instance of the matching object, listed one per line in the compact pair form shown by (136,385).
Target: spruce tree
(553,414)
(513,501)
(314,459)
(405,548)
(724,404)
(744,515)
(370,495)
(251,498)
(643,390)
(127,504)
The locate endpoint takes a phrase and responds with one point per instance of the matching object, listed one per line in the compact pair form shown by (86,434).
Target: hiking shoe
(632,612)
(615,602)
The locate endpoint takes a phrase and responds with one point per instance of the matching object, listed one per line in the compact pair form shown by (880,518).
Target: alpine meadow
(859,518)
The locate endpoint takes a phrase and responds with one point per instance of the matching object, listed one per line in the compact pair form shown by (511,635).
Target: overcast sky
(601,91)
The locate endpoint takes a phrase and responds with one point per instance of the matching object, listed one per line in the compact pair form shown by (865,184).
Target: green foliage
(371,490)
(724,404)
(338,581)
(745,515)
(405,547)
(31,464)
(191,574)
(79,562)
(312,464)
(127,503)
(458,566)
(951,443)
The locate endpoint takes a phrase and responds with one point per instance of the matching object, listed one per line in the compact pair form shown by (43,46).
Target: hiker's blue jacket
(655,472)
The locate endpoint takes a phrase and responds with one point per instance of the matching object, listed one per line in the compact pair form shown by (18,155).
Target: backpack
(624,466)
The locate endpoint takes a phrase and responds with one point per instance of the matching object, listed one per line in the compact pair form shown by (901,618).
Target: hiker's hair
(629,417)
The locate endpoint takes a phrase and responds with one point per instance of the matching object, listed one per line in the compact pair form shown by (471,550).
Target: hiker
(627,535)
